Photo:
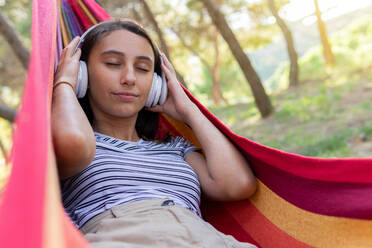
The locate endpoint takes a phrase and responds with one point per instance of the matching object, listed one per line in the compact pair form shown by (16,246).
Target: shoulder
(179,141)
(185,145)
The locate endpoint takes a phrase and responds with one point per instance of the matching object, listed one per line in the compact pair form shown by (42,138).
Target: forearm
(73,136)
(226,166)
(223,172)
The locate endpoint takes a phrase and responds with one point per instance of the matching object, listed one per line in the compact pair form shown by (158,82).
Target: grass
(321,119)
(329,114)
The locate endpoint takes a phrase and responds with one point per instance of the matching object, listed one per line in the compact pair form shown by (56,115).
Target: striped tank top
(124,171)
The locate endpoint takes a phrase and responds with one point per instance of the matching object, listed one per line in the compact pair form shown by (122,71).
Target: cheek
(146,84)
(100,74)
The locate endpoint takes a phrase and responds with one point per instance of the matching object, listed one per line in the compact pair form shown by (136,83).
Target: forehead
(129,43)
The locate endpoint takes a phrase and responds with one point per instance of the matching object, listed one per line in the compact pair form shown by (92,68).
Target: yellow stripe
(87,12)
(313,229)
(65,37)
(184,130)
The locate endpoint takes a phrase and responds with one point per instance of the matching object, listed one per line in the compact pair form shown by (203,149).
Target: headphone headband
(158,92)
(82,37)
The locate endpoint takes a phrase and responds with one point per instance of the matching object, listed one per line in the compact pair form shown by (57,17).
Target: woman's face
(120,72)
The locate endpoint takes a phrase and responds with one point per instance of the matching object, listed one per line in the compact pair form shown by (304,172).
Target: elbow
(249,187)
(243,189)
(74,152)
(74,143)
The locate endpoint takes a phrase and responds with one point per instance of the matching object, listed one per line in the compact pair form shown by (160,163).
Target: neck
(120,128)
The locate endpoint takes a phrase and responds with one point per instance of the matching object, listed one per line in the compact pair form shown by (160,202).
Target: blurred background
(291,74)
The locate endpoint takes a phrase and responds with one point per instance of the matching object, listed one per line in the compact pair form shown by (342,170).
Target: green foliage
(351,47)
(313,120)
(367,130)
(333,146)
(324,118)
(312,65)
(328,115)
(205,87)
(6,139)
(19,13)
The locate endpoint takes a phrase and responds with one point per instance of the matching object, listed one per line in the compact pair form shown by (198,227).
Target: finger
(156,108)
(164,57)
(166,71)
(73,42)
(63,54)
(72,45)
(77,54)
(166,60)
(168,64)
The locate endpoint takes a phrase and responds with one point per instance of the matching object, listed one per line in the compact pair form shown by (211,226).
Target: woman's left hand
(177,105)
(218,181)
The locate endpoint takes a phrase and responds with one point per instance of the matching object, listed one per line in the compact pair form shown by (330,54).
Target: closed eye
(113,64)
(142,69)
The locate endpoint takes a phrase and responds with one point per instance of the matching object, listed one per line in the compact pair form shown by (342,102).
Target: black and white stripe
(124,171)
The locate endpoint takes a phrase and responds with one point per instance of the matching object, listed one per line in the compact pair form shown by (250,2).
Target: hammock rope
(300,202)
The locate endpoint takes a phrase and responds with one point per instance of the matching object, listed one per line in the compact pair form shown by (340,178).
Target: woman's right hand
(68,66)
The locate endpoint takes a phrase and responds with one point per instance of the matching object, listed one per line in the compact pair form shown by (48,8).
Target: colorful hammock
(301,201)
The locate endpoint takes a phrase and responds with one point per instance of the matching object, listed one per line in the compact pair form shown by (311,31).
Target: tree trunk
(327,50)
(7,113)
(216,89)
(293,57)
(136,15)
(163,44)
(261,99)
(7,30)
(214,70)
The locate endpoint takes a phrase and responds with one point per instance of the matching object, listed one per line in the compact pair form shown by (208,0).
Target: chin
(127,112)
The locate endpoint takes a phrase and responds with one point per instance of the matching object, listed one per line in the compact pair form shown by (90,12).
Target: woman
(120,185)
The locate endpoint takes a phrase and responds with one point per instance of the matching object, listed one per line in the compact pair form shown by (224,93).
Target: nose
(128,75)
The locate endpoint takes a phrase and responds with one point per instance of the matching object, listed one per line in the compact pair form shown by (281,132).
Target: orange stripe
(310,228)
(262,230)
(84,8)
(184,130)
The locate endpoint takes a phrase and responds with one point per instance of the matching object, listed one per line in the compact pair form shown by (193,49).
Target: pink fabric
(357,170)
(97,10)
(22,208)
(83,20)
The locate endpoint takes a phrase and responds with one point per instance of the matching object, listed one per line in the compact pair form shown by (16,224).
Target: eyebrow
(142,57)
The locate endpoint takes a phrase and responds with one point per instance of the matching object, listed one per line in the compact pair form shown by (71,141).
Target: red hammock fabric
(301,201)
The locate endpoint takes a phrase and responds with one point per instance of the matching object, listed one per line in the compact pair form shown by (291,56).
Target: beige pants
(151,223)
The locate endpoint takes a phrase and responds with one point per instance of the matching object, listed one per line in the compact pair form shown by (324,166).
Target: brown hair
(147,121)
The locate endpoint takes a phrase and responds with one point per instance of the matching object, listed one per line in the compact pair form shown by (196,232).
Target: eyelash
(139,68)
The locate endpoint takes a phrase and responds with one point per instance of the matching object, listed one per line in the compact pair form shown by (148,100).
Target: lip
(126,96)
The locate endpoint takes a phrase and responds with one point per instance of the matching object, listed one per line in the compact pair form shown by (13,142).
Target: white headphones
(158,92)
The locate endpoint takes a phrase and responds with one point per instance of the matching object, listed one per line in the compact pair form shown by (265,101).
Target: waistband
(127,208)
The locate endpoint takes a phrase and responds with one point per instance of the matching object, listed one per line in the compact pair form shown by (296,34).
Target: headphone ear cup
(157,89)
(82,81)
(151,95)
(164,89)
